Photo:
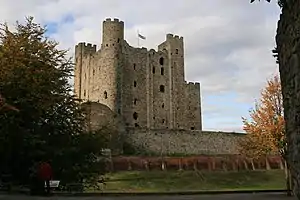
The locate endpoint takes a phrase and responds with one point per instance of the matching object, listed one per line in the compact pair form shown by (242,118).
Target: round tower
(112,33)
(110,78)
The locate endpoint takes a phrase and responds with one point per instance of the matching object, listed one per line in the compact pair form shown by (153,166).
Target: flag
(142,37)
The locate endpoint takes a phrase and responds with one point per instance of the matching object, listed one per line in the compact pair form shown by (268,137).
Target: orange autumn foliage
(266,129)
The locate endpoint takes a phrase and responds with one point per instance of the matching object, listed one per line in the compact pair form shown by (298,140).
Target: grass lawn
(160,181)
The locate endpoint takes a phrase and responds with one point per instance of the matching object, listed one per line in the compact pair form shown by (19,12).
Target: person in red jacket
(45,175)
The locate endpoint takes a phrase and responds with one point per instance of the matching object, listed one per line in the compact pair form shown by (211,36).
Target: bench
(53,184)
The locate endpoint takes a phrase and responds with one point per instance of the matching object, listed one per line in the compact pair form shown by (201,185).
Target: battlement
(112,32)
(85,48)
(144,49)
(152,51)
(193,83)
(174,37)
(115,20)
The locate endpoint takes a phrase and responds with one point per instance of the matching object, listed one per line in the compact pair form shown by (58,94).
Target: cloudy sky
(228,43)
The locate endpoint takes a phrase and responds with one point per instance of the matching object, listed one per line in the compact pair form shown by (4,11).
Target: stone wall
(157,141)
(169,142)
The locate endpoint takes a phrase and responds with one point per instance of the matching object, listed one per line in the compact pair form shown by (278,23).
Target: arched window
(105,95)
(162,88)
(135,116)
(162,71)
(161,61)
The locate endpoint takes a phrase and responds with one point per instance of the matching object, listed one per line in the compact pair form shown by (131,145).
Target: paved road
(269,196)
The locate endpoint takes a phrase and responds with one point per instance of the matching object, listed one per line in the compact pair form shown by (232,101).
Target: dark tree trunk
(288,48)
(288,179)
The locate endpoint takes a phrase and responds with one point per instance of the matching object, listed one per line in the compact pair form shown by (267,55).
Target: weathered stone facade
(288,47)
(146,87)
(170,142)
(144,97)
(158,141)
(101,117)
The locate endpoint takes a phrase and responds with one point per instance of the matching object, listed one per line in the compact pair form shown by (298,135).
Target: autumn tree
(265,131)
(34,77)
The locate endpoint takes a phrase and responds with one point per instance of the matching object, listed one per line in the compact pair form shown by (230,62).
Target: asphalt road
(269,196)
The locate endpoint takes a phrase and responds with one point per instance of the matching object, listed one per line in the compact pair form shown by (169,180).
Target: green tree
(50,125)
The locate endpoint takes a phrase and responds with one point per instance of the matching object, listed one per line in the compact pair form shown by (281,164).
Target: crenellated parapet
(112,33)
(115,20)
(194,84)
(84,49)
(174,37)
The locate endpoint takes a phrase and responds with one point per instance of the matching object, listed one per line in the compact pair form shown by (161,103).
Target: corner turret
(112,32)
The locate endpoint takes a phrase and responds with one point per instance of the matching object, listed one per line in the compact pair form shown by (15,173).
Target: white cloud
(228,43)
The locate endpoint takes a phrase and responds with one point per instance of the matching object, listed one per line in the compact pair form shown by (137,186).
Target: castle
(146,87)
(148,90)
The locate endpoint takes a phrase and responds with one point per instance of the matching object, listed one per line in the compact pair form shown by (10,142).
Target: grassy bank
(159,181)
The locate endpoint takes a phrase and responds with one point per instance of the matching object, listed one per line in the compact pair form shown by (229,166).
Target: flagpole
(138,38)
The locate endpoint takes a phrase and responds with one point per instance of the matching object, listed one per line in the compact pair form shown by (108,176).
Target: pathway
(269,196)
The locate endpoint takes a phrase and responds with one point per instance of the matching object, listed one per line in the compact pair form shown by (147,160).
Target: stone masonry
(145,92)
(184,142)
(158,141)
(146,87)
(100,117)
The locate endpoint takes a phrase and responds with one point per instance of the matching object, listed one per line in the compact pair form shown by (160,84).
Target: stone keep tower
(97,76)
(147,88)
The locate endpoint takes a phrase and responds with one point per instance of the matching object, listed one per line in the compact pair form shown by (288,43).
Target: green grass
(160,181)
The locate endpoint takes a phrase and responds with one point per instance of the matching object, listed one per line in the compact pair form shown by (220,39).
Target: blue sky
(227,43)
(53,26)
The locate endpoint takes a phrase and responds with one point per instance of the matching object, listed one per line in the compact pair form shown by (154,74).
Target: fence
(209,163)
